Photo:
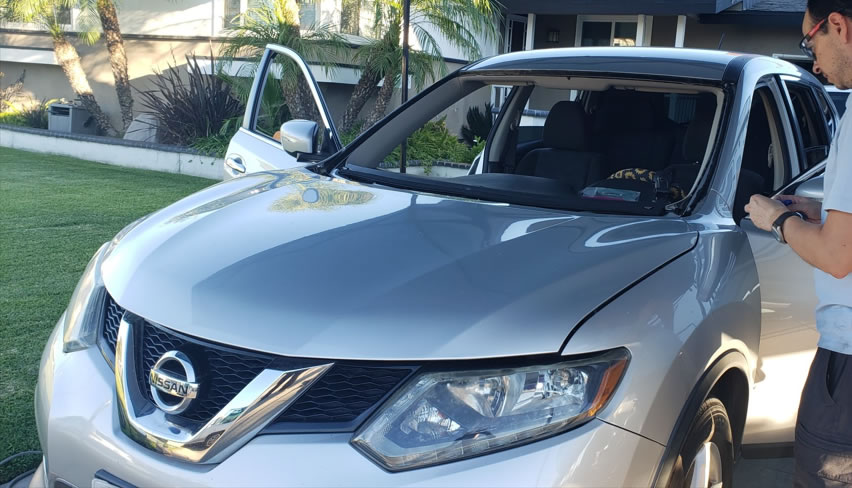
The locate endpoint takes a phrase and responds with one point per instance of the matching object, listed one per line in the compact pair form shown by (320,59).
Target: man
(823,238)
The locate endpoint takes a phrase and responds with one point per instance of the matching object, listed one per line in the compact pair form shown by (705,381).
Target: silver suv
(584,304)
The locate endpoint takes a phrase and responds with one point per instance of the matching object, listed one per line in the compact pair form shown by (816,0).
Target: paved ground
(751,473)
(764,473)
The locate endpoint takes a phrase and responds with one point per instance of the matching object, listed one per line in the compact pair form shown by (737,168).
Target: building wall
(47,81)
(758,39)
(664,31)
(565,25)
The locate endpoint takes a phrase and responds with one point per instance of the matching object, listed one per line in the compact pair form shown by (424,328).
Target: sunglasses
(805,43)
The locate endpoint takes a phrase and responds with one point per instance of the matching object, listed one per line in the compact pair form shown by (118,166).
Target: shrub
(32,115)
(430,144)
(187,111)
(217,144)
(478,124)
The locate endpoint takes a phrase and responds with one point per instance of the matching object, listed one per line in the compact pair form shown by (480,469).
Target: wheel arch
(725,379)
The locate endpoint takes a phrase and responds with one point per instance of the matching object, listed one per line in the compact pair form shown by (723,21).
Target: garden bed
(118,152)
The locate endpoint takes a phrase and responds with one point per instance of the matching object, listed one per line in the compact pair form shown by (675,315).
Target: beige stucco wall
(146,56)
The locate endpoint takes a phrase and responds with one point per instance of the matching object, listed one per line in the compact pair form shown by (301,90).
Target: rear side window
(813,135)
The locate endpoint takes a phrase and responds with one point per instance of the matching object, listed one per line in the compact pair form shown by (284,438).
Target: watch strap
(779,223)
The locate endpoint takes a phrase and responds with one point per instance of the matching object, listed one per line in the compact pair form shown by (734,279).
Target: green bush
(12,118)
(32,115)
(478,125)
(217,144)
(433,143)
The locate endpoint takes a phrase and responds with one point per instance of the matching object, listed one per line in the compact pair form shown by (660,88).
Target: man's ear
(840,24)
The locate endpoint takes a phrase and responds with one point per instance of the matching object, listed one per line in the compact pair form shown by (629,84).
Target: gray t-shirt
(834,310)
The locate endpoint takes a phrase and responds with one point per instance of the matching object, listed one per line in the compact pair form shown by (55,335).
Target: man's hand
(808,206)
(764,211)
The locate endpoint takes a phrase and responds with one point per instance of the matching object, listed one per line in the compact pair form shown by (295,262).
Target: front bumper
(78,426)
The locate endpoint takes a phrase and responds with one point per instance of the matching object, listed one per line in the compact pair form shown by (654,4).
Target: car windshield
(569,142)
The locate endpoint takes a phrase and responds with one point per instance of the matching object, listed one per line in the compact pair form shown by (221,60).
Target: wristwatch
(779,224)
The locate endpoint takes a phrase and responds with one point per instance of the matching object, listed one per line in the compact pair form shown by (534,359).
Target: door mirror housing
(299,136)
(813,188)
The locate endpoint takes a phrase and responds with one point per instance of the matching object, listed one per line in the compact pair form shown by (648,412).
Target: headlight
(85,310)
(444,417)
(83,315)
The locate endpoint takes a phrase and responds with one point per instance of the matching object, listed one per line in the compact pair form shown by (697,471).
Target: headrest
(698,133)
(565,126)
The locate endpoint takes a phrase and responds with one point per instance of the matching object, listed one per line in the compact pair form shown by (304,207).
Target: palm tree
(46,13)
(278,23)
(458,21)
(104,12)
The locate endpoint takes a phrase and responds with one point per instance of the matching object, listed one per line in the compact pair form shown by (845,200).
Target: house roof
(625,7)
(653,7)
(787,13)
(797,6)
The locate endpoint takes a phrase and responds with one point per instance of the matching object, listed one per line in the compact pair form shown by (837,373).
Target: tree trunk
(69,60)
(117,59)
(350,17)
(382,100)
(364,90)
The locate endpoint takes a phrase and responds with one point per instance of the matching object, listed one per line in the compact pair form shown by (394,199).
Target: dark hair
(820,9)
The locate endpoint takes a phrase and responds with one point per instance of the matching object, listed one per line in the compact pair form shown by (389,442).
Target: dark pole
(406,13)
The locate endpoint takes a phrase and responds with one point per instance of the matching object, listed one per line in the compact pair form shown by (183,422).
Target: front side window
(610,145)
(286,95)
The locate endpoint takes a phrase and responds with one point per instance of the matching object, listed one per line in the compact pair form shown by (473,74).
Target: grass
(54,213)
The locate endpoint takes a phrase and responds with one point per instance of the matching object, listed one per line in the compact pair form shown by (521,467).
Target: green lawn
(54,213)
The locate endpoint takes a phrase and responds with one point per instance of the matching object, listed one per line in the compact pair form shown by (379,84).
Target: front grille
(344,394)
(338,401)
(223,372)
(112,318)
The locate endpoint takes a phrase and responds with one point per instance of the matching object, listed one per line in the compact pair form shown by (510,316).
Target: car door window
(812,135)
(832,117)
(286,94)
(766,158)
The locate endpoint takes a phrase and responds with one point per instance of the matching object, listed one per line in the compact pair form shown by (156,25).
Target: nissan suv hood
(296,264)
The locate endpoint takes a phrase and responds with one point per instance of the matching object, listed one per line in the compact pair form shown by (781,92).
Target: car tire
(706,459)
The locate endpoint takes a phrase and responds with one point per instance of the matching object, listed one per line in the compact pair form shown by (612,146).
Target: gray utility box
(63,117)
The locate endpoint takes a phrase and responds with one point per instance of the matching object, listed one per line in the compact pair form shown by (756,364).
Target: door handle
(235,163)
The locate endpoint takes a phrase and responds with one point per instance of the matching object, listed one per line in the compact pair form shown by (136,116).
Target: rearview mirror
(299,136)
(813,188)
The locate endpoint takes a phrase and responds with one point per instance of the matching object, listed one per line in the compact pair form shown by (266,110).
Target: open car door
(287,123)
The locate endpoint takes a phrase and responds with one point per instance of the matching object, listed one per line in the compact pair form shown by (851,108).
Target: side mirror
(299,136)
(813,188)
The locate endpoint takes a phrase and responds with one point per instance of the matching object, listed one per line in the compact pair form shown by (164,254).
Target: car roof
(647,61)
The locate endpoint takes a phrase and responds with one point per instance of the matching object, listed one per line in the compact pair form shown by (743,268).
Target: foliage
(434,143)
(13,90)
(430,144)
(478,124)
(190,110)
(33,114)
(217,144)
(277,22)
